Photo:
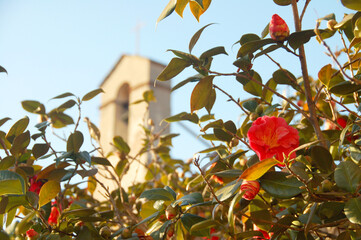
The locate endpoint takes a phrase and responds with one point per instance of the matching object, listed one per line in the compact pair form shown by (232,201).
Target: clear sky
(52,47)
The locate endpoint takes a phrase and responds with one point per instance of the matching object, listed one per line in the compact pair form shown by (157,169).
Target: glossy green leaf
(90,95)
(121,145)
(353,210)
(68,104)
(260,214)
(251,47)
(20,143)
(228,191)
(250,81)
(322,158)
(282,76)
(167,10)
(185,56)
(206,224)
(345,88)
(175,66)
(188,220)
(296,39)
(64,95)
(75,141)
(231,173)
(211,101)
(25,223)
(31,106)
(17,129)
(195,78)
(40,149)
(249,37)
(192,198)
(48,192)
(196,36)
(267,94)
(183,116)
(280,185)
(222,135)
(282,2)
(352,4)
(232,205)
(157,194)
(11,183)
(348,176)
(213,52)
(257,170)
(100,161)
(201,93)
(7,162)
(265,31)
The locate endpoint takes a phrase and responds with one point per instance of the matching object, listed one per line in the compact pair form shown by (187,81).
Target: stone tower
(125,84)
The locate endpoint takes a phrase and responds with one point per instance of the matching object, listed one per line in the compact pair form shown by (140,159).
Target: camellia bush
(291,170)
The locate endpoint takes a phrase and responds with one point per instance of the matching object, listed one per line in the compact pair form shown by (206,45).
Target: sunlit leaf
(201,93)
(196,9)
(353,210)
(48,192)
(92,94)
(75,141)
(181,4)
(175,66)
(196,36)
(11,183)
(259,169)
(167,10)
(352,4)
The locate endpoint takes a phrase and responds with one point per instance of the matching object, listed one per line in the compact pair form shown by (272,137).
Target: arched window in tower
(122,112)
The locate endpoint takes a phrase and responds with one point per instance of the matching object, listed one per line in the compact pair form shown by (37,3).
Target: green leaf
(228,191)
(353,210)
(297,39)
(31,106)
(3,70)
(92,94)
(40,149)
(282,76)
(60,120)
(322,158)
(267,94)
(257,170)
(213,52)
(17,129)
(20,143)
(157,194)
(64,95)
(191,59)
(251,47)
(352,4)
(232,205)
(4,120)
(183,116)
(68,104)
(188,220)
(7,162)
(175,66)
(348,176)
(267,50)
(75,141)
(196,36)
(211,101)
(280,185)
(100,161)
(121,145)
(250,86)
(189,199)
(204,225)
(25,223)
(249,37)
(231,173)
(195,78)
(82,212)
(259,213)
(48,191)
(282,2)
(345,88)
(167,10)
(11,183)
(201,93)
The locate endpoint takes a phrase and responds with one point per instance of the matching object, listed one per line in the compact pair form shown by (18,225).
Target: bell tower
(125,84)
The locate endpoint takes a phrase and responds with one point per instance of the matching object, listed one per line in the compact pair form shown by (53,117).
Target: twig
(311,104)
(232,99)
(304,10)
(196,163)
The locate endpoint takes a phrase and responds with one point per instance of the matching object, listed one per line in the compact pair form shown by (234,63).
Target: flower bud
(326,185)
(105,232)
(250,189)
(31,234)
(278,28)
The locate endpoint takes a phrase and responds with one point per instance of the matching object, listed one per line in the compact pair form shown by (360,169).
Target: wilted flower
(272,137)
(250,189)
(278,28)
(264,233)
(216,178)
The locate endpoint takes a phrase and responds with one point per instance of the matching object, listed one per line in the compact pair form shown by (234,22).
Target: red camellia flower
(278,28)
(250,189)
(272,137)
(35,185)
(54,215)
(31,233)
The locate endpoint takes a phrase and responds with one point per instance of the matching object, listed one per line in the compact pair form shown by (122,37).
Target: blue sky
(52,47)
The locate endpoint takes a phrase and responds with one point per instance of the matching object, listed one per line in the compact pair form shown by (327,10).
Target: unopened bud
(105,232)
(278,28)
